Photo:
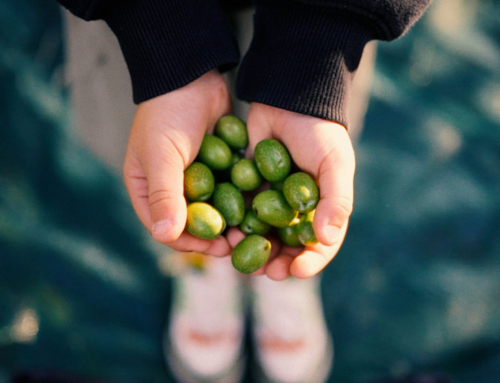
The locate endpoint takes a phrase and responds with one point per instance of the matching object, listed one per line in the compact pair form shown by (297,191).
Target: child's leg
(204,340)
(290,332)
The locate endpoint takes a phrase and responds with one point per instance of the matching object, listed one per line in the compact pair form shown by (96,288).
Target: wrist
(167,45)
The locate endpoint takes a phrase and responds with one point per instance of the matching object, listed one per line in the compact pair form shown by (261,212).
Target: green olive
(245,175)
(251,253)
(235,157)
(271,207)
(225,175)
(204,221)
(230,202)
(301,192)
(277,185)
(288,234)
(214,153)
(305,231)
(253,225)
(272,159)
(198,182)
(233,131)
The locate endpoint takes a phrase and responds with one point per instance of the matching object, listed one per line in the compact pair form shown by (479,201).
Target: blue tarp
(416,287)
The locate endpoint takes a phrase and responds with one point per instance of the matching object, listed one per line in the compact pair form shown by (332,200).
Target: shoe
(204,340)
(292,341)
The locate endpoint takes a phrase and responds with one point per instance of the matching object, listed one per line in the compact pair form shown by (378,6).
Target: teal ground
(416,286)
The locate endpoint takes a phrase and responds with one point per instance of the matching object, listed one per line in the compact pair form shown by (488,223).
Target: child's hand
(323,149)
(165,137)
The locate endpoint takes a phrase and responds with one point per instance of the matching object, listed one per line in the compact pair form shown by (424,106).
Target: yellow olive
(204,221)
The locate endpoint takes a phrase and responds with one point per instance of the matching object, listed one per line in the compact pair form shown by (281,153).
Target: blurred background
(415,288)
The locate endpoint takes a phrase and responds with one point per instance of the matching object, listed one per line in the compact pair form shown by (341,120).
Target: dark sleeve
(90,9)
(166,43)
(304,53)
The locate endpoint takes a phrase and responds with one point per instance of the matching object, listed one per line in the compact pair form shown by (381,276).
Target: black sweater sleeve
(304,53)
(166,43)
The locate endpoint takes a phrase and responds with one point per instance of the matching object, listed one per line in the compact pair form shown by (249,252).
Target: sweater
(302,58)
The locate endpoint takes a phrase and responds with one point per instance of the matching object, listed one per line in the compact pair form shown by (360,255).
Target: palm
(323,149)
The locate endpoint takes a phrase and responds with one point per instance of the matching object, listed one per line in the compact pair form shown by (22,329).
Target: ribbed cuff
(302,59)
(168,44)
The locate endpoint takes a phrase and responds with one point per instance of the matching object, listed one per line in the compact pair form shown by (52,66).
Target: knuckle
(187,244)
(160,197)
(343,206)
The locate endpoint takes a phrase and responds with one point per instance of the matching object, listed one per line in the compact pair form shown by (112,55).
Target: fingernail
(161,227)
(332,232)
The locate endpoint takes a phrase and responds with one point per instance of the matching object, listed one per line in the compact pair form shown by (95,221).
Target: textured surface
(415,288)
(416,284)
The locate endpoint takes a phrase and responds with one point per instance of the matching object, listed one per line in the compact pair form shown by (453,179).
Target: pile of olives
(225,189)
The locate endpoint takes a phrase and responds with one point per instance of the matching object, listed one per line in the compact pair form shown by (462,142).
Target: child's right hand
(166,135)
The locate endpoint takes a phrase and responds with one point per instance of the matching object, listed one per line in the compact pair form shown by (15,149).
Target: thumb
(166,202)
(336,184)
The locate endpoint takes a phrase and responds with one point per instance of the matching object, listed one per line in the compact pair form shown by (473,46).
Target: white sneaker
(292,340)
(204,340)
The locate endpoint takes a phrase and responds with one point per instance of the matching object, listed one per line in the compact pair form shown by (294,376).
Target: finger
(279,268)
(166,201)
(315,258)
(234,236)
(219,247)
(186,242)
(158,200)
(258,127)
(261,271)
(336,185)
(136,184)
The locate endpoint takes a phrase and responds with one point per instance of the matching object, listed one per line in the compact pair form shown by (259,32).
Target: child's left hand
(323,149)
